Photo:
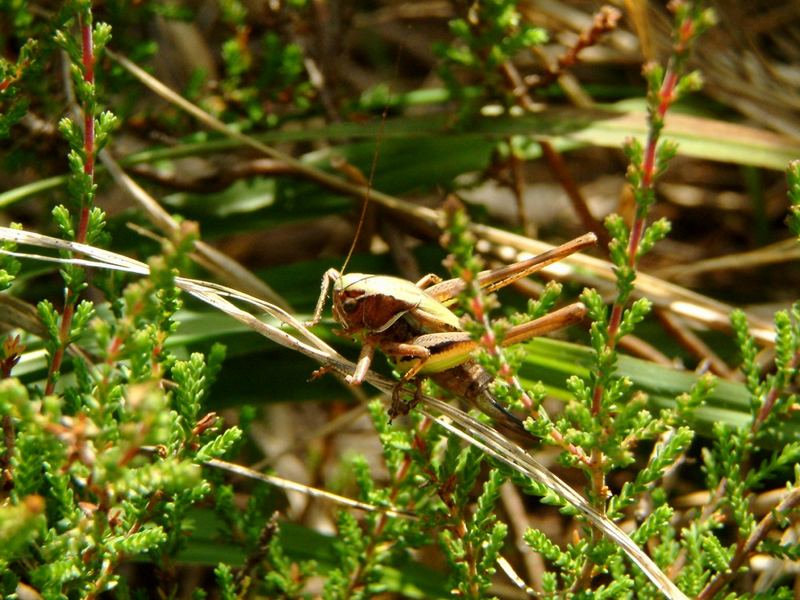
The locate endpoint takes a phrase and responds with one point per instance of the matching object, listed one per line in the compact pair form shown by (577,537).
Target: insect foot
(402,406)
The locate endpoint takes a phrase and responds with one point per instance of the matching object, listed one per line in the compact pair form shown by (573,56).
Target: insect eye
(349,305)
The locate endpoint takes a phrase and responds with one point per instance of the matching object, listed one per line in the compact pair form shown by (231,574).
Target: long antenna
(372,168)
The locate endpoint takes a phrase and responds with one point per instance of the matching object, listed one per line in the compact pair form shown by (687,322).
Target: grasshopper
(413,326)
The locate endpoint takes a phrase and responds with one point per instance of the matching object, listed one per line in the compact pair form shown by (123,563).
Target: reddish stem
(58,356)
(635,239)
(83,221)
(400,476)
(666,96)
(747,547)
(88,51)
(9,439)
(88,123)
(490,343)
(5,83)
(772,397)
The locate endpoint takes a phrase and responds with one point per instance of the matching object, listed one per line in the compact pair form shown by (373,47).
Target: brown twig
(398,247)
(267,533)
(579,204)
(605,20)
(518,88)
(214,179)
(518,519)
(691,342)
(518,189)
(638,347)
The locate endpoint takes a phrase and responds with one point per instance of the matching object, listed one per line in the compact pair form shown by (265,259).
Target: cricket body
(412,324)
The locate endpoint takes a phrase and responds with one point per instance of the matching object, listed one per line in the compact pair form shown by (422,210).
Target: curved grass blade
(469,429)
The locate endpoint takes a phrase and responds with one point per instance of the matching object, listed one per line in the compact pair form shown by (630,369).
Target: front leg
(330,276)
(394,350)
(363,364)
